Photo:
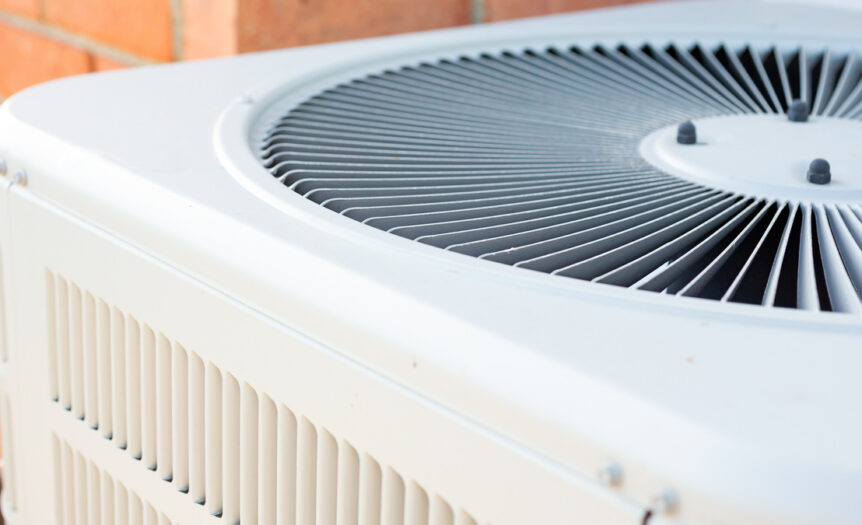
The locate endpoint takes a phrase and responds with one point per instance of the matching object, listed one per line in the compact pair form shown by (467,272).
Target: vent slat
(688,60)
(582,217)
(164,396)
(306,472)
(10,462)
(773,65)
(249,460)
(694,287)
(348,485)
(753,62)
(805,91)
(650,254)
(67,474)
(149,398)
(268,458)
(150,517)
(94,493)
(446,201)
(105,370)
(684,263)
(287,464)
(107,499)
(121,504)
(136,509)
(607,243)
(91,361)
(76,351)
(304,180)
(641,87)
(847,85)
(842,294)
(52,334)
(663,56)
(4,344)
(79,468)
(134,368)
(198,408)
(735,67)
(179,413)
(119,393)
(470,210)
(565,236)
(675,75)
(780,256)
(807,297)
(416,506)
(429,186)
(719,71)
(370,491)
(480,229)
(462,518)
(830,67)
(213,440)
(392,498)
(440,512)
(327,478)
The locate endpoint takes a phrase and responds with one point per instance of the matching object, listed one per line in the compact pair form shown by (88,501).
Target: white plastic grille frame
(530,160)
(821,283)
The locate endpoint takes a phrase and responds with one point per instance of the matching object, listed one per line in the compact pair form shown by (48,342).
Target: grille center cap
(764,155)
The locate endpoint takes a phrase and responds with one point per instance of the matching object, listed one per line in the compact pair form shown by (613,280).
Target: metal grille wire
(530,159)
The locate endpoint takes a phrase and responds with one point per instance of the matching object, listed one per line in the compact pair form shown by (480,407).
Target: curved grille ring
(531,159)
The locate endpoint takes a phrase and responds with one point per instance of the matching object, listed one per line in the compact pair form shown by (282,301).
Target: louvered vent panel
(4,351)
(531,159)
(10,492)
(87,495)
(231,448)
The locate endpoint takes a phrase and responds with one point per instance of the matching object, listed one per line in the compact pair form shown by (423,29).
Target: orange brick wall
(45,39)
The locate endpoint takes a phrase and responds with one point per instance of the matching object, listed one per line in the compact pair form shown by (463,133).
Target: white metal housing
(293,366)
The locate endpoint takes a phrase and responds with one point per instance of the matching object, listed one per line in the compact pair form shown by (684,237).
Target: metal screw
(611,474)
(2,167)
(819,172)
(665,502)
(20,177)
(798,111)
(686,133)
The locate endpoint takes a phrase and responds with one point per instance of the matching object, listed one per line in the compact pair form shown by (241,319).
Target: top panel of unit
(548,145)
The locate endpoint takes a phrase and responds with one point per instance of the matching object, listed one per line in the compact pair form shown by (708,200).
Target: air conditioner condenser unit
(592,268)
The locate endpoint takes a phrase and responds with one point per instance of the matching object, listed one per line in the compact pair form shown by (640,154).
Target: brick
(103,63)
(142,27)
(496,10)
(270,24)
(29,8)
(29,59)
(209,28)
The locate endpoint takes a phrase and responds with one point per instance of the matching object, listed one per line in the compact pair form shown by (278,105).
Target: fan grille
(531,159)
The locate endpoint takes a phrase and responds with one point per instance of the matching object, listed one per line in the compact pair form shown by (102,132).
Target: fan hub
(765,155)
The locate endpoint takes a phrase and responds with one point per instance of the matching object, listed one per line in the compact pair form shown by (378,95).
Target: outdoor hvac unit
(486,275)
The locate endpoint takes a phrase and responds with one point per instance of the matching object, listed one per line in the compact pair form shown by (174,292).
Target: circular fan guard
(531,159)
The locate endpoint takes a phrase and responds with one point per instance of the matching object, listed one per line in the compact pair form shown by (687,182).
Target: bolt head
(20,178)
(819,172)
(798,111)
(665,502)
(611,474)
(2,167)
(686,133)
